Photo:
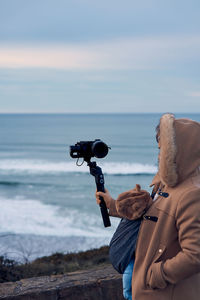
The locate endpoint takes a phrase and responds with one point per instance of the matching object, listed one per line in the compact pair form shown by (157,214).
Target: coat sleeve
(187,262)
(112,210)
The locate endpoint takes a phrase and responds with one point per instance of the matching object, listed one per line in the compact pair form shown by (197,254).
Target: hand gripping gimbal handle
(99,179)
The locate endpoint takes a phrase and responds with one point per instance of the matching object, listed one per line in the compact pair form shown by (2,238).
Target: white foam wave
(42,166)
(27,216)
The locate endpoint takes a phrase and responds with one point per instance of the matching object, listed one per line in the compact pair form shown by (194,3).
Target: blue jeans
(127,281)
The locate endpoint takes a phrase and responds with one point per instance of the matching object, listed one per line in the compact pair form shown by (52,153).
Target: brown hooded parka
(167,260)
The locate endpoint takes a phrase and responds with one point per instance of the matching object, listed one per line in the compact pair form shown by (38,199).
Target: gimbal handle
(99,179)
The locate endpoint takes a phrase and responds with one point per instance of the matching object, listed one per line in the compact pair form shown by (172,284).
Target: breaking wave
(43,166)
(29,216)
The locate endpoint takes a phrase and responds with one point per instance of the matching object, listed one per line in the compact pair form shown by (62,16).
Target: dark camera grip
(99,179)
(104,213)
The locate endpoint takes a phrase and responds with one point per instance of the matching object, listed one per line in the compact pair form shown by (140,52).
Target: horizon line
(91,113)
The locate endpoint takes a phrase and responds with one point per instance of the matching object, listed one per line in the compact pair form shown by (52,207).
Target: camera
(88,149)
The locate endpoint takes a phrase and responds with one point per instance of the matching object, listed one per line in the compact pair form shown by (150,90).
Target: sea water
(47,202)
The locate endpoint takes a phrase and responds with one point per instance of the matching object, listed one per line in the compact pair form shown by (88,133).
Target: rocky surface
(95,284)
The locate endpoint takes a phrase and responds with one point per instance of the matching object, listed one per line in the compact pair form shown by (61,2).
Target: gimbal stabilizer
(98,149)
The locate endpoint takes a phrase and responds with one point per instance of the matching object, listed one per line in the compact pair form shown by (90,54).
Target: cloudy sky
(99,56)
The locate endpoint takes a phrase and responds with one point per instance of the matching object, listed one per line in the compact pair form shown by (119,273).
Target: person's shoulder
(191,185)
(189,197)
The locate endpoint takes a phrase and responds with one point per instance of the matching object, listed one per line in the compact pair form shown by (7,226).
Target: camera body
(88,149)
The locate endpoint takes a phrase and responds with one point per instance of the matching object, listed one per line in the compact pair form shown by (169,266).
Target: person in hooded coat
(167,256)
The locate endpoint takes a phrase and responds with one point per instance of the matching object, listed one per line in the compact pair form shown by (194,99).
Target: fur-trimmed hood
(179,149)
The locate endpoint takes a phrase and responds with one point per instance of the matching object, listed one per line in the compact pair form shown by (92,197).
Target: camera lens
(99,149)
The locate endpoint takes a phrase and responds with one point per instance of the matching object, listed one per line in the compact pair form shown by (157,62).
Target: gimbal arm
(99,179)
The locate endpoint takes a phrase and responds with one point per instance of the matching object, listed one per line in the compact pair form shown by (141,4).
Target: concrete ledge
(95,284)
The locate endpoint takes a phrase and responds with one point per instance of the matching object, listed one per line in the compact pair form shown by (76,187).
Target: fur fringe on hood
(167,163)
(179,141)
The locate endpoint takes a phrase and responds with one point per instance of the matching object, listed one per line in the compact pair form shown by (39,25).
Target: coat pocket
(155,259)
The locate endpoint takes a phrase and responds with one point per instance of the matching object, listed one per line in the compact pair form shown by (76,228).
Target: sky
(108,56)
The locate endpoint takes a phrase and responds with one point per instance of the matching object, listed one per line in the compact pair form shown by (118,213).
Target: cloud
(122,53)
(194,94)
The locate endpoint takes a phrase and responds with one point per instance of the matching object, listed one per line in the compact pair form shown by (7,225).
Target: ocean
(47,202)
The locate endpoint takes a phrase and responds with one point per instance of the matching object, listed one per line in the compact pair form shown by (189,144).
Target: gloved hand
(133,204)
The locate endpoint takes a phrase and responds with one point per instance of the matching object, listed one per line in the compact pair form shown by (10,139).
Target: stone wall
(95,284)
